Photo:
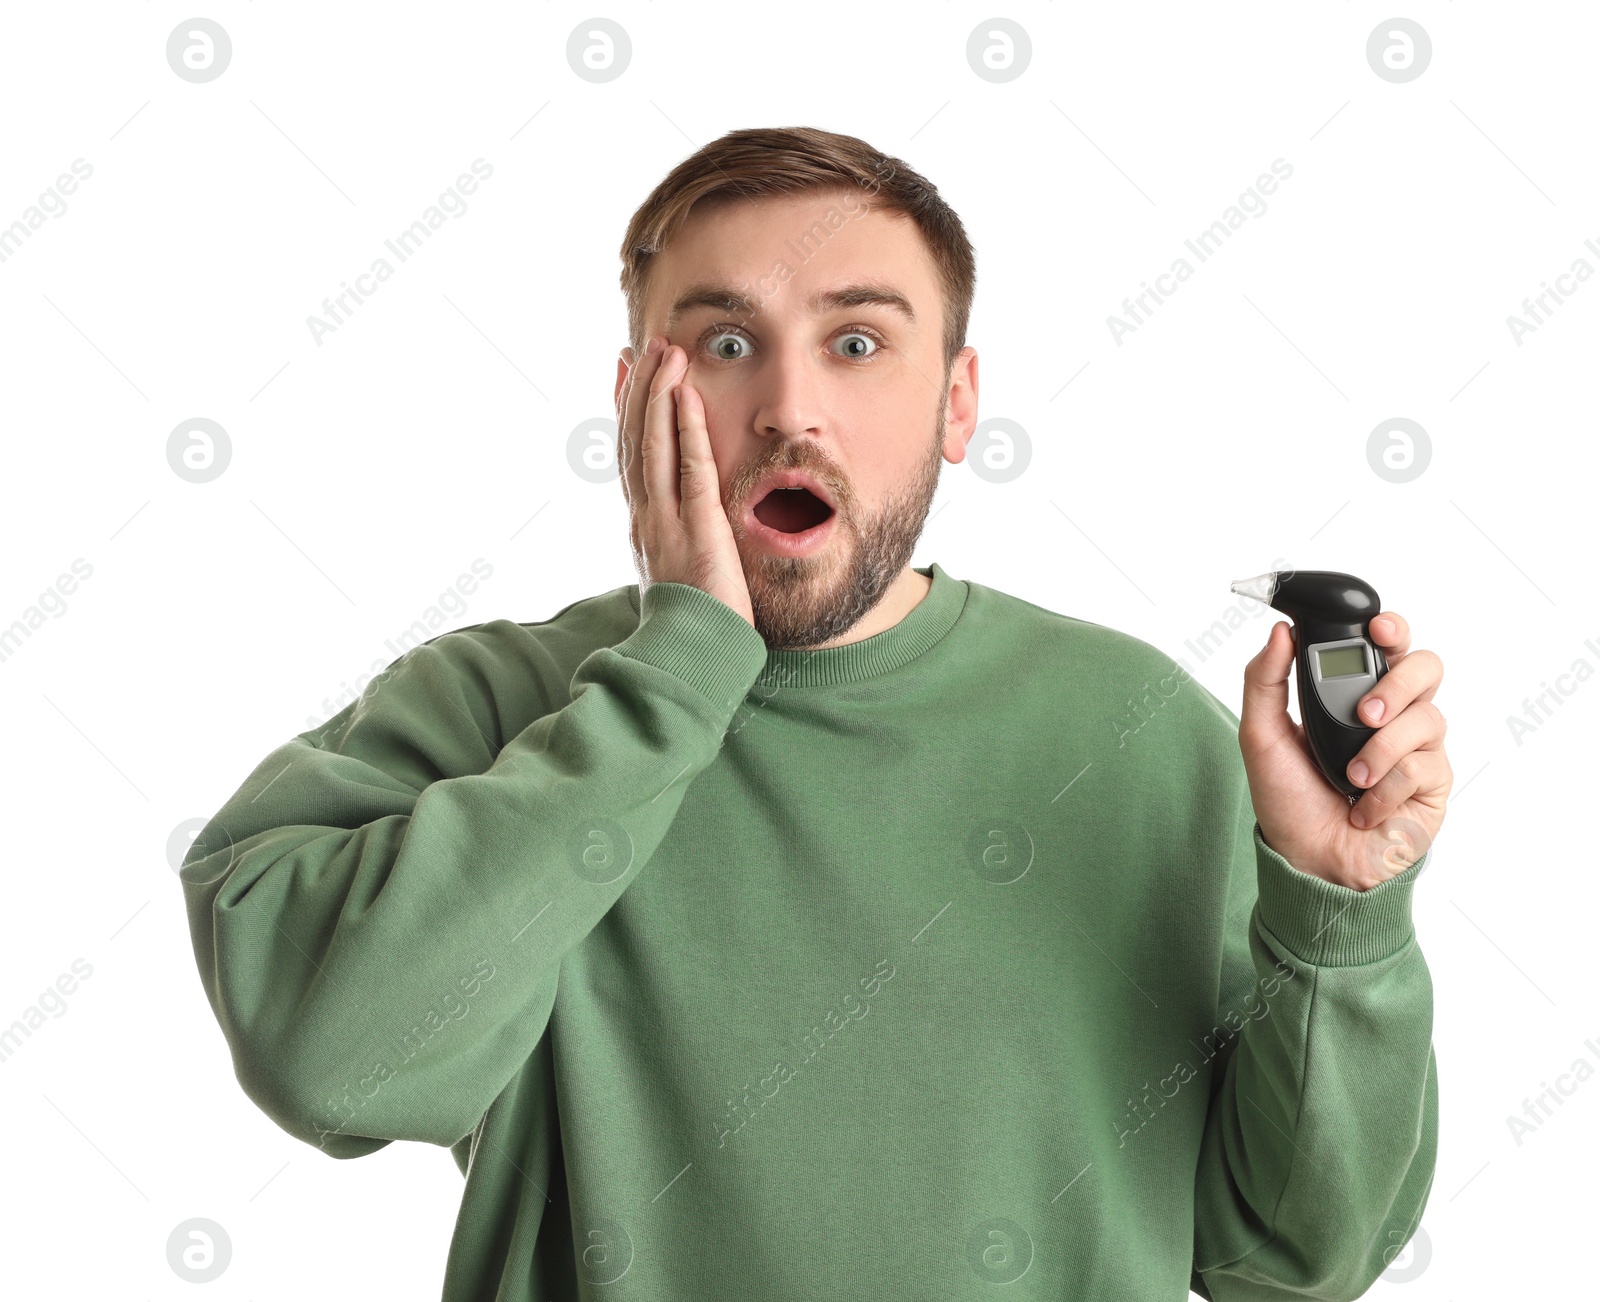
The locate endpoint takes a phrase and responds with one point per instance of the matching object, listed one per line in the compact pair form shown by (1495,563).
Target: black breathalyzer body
(1336,662)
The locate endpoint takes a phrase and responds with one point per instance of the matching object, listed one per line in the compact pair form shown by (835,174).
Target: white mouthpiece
(1261,587)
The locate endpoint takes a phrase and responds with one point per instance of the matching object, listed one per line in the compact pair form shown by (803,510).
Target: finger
(625,440)
(1391,632)
(1416,678)
(621,449)
(634,393)
(629,365)
(1264,716)
(625,469)
(699,487)
(1423,773)
(1420,726)
(659,453)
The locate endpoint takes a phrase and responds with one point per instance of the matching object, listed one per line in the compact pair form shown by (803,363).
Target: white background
(431,429)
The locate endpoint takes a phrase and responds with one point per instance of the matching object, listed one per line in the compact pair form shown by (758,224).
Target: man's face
(856,394)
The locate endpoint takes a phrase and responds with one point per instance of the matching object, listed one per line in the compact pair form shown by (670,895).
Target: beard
(800,602)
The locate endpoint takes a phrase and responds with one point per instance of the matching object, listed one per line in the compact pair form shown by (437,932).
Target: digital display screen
(1342,661)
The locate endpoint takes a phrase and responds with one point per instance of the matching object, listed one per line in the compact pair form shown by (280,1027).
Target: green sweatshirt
(947,959)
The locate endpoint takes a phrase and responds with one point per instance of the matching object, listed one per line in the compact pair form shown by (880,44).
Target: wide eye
(724,346)
(857,344)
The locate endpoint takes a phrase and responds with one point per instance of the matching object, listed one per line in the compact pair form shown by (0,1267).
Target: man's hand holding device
(1351,658)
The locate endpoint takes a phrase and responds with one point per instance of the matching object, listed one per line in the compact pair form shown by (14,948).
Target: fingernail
(1383,627)
(1357,817)
(654,346)
(1358,773)
(1373,709)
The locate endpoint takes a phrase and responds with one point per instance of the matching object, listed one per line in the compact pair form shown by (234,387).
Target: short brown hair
(762,161)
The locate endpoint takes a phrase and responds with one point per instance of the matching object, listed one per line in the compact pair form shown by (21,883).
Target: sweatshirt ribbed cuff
(1327,925)
(696,637)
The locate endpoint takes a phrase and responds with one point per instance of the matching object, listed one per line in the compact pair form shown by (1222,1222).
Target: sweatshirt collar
(926,622)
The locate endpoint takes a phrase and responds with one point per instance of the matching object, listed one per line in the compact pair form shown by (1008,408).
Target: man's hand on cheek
(679,531)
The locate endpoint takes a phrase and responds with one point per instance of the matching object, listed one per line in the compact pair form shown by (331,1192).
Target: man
(798,923)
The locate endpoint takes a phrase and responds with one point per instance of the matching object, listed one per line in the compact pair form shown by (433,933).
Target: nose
(789,399)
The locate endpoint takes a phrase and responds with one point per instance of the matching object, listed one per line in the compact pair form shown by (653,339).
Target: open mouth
(792,510)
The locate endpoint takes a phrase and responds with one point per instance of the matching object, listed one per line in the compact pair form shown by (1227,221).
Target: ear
(961,405)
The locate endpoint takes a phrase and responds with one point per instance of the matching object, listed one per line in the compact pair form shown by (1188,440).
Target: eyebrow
(728,299)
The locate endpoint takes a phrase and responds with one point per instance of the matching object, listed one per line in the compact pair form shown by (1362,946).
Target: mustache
(748,476)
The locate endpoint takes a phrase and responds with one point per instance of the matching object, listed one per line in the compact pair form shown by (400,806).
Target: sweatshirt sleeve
(380,911)
(1318,1150)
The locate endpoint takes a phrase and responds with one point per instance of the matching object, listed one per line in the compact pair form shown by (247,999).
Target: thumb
(1266,684)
